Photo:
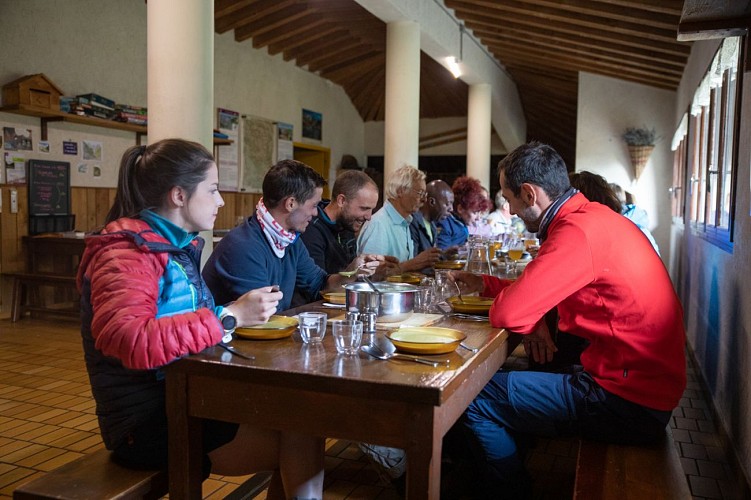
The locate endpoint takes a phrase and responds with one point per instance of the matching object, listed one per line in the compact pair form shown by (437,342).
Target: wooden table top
(290,363)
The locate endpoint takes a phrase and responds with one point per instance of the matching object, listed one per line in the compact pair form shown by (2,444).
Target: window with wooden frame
(711,146)
(679,147)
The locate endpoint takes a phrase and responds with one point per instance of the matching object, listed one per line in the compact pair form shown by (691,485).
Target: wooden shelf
(49,115)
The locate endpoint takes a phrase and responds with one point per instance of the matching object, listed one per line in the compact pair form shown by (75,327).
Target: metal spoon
(459,291)
(378,353)
(471,349)
(371,285)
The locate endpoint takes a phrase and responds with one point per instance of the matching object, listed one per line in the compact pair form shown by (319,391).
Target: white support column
(478,133)
(181,70)
(402,127)
(180,64)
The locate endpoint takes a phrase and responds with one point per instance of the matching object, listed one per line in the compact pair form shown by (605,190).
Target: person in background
(637,214)
(480,226)
(438,205)
(469,204)
(330,236)
(500,220)
(610,288)
(266,248)
(144,305)
(596,188)
(387,232)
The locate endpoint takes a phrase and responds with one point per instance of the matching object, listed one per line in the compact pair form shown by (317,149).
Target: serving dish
(335,297)
(426,339)
(471,304)
(278,327)
(454,265)
(392,302)
(410,278)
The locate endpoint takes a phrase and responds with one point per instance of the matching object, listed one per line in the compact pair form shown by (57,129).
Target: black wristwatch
(229,323)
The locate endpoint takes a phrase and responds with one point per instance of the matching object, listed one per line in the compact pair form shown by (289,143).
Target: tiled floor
(47,419)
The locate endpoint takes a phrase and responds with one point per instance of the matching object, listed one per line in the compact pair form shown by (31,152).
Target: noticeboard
(49,187)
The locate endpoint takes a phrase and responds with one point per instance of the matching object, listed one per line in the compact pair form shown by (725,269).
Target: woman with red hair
(470,203)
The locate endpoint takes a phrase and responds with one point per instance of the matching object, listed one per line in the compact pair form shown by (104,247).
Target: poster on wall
(312,125)
(258,147)
(15,168)
(228,123)
(17,139)
(284,148)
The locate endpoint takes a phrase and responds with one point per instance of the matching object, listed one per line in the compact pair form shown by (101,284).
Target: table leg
(185,436)
(424,461)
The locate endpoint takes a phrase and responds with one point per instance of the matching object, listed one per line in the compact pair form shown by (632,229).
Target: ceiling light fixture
(453,62)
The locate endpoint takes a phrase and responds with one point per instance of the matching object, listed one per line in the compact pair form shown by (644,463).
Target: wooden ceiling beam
(344,59)
(339,43)
(622,73)
(367,64)
(338,36)
(227,7)
(547,38)
(566,29)
(283,37)
(450,140)
(278,20)
(288,45)
(515,8)
(672,7)
(610,11)
(248,14)
(579,58)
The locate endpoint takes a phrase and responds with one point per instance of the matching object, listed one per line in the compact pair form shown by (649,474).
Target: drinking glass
(347,336)
(478,261)
(312,327)
(515,252)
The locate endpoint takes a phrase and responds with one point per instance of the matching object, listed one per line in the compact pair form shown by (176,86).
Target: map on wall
(258,148)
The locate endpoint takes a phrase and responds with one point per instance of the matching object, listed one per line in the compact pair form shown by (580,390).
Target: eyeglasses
(419,192)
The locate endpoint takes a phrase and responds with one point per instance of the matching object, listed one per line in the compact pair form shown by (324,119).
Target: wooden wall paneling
(102,206)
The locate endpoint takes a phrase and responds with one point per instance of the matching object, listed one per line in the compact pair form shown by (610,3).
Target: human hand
(468,282)
(256,306)
(539,344)
(427,258)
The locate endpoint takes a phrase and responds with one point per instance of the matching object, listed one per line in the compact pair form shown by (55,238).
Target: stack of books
(96,105)
(136,115)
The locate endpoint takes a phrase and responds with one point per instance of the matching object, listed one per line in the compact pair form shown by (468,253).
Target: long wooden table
(311,389)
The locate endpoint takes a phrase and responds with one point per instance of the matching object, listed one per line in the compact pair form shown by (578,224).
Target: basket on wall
(639,157)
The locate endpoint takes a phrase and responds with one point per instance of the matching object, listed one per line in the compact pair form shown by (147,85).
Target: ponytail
(148,173)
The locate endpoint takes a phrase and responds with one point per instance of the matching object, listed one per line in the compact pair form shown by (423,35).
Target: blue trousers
(519,403)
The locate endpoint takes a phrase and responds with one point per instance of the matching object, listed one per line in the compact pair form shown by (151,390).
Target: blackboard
(49,187)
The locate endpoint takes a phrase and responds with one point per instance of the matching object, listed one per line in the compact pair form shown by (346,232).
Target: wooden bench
(96,477)
(619,472)
(27,295)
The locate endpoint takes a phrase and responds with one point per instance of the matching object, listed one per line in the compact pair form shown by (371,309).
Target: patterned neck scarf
(553,209)
(275,233)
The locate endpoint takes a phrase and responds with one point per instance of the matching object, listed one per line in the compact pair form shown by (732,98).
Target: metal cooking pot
(396,302)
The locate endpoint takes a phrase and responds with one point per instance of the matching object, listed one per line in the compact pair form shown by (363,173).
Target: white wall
(100,46)
(607,106)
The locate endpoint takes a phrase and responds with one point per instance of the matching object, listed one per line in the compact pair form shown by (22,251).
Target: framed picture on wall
(312,124)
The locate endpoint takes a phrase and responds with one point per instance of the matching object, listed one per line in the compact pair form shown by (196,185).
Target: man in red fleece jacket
(611,288)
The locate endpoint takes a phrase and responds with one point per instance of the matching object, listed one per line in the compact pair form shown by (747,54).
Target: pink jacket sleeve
(124,292)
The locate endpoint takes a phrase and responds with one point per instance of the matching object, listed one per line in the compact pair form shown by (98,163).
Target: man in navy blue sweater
(266,248)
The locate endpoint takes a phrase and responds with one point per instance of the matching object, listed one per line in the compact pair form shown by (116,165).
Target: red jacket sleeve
(124,293)
(562,267)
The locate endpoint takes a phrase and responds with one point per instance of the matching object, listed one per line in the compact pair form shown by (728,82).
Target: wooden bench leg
(17,300)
